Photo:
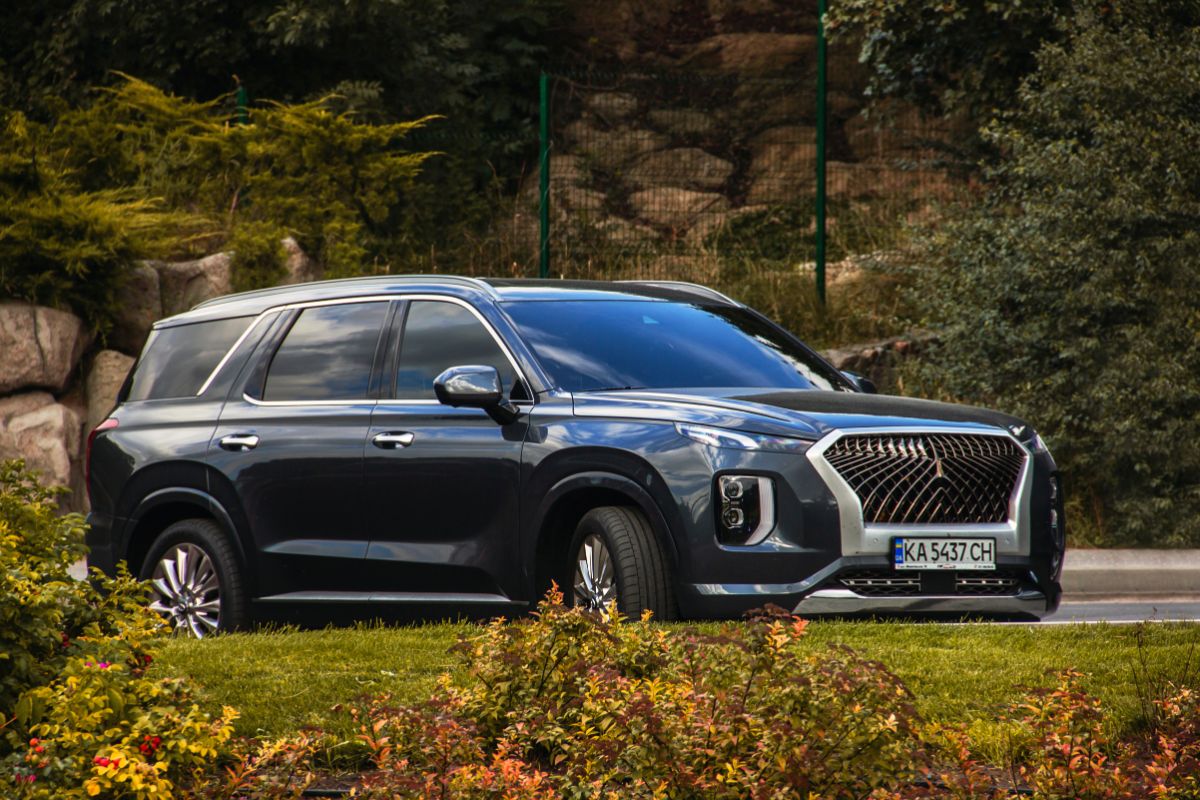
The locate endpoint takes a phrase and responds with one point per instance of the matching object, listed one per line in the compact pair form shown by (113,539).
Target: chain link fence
(710,176)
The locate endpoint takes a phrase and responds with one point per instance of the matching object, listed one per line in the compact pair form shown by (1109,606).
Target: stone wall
(58,380)
(704,112)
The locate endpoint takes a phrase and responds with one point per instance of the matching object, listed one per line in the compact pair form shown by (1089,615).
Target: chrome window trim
(442,298)
(281,403)
(229,353)
(369,299)
(858,538)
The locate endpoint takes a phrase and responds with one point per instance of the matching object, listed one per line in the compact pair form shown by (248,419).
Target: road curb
(1097,573)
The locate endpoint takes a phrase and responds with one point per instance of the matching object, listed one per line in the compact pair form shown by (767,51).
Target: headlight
(738,440)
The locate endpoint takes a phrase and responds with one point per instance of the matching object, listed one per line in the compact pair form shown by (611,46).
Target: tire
(216,601)
(641,575)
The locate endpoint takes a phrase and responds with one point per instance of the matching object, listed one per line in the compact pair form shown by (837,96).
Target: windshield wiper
(615,389)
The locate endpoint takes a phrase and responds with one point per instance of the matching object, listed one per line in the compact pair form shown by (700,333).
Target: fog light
(746,514)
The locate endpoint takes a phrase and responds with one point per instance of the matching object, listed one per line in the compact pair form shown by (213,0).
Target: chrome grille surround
(932,478)
(862,538)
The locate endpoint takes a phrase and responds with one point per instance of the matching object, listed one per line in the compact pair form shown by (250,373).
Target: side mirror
(864,385)
(475,386)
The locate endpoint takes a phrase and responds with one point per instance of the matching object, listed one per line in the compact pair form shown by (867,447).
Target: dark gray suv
(443,443)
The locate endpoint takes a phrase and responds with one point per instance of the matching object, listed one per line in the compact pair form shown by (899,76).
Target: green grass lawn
(284,680)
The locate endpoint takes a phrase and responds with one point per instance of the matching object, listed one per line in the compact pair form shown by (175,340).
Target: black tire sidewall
(590,525)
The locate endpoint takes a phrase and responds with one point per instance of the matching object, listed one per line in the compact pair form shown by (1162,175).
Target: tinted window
(176,361)
(616,344)
(438,336)
(328,354)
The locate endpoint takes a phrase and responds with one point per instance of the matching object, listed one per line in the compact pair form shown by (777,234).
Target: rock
(841,105)
(844,72)
(685,167)
(783,163)
(891,130)
(41,431)
(698,235)
(186,283)
(566,173)
(611,148)
(299,268)
(139,308)
(39,346)
(681,122)
(108,373)
(579,199)
(622,232)
(871,180)
(753,53)
(877,360)
(728,15)
(676,209)
(611,106)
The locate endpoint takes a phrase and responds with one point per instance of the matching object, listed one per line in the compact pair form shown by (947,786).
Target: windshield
(589,345)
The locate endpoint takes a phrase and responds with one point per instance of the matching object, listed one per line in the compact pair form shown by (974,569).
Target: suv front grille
(929,478)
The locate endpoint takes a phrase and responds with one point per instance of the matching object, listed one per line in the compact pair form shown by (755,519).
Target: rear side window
(438,336)
(176,361)
(328,354)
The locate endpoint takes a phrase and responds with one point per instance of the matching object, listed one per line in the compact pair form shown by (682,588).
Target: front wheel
(615,557)
(195,581)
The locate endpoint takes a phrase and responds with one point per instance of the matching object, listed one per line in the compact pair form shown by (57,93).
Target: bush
(78,713)
(139,173)
(572,705)
(603,708)
(1070,296)
(65,245)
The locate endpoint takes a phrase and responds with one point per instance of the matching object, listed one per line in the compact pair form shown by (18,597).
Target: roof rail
(694,288)
(461,280)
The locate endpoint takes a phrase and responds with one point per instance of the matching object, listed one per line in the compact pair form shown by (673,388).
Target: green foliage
(473,61)
(1072,294)
(78,714)
(948,55)
(62,244)
(139,172)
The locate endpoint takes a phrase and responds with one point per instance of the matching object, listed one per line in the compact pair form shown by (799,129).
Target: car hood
(804,413)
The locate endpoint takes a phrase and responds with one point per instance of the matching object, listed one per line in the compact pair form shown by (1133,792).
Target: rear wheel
(195,580)
(615,557)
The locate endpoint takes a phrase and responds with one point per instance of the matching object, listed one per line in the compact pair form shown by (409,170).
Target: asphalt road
(1134,609)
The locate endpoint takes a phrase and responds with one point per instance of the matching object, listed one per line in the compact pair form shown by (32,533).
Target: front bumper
(844,602)
(1036,593)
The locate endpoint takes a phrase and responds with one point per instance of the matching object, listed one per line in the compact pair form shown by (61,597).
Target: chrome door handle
(390,441)
(239,441)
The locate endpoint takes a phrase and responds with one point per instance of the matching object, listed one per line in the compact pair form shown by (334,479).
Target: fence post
(242,99)
(820,209)
(544,176)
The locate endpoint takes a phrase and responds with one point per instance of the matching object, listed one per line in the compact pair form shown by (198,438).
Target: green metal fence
(696,175)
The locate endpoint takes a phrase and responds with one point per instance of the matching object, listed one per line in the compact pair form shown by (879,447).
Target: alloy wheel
(187,590)
(595,575)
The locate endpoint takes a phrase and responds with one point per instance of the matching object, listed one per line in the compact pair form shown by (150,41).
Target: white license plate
(917,553)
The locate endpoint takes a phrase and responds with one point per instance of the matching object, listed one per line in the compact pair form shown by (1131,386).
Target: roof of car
(498,289)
